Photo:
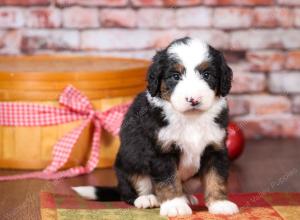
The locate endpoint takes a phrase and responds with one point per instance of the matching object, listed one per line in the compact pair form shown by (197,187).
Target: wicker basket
(41,79)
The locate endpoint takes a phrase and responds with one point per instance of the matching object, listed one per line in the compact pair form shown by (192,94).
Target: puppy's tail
(98,193)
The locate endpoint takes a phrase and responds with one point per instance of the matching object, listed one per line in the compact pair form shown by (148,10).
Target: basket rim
(141,64)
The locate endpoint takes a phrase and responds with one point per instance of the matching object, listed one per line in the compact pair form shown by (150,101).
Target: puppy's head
(189,74)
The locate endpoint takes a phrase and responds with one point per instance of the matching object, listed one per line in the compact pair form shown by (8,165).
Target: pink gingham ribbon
(75,106)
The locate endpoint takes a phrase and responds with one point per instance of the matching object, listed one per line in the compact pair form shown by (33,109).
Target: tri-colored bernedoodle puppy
(173,136)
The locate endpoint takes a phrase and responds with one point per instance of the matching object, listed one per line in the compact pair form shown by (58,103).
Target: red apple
(235,142)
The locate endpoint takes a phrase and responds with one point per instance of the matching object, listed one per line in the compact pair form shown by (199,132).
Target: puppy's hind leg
(125,187)
(144,187)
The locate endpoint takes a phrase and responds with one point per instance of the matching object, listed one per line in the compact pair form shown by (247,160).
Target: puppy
(173,136)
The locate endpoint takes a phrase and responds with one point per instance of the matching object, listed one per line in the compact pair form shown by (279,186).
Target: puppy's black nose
(192,101)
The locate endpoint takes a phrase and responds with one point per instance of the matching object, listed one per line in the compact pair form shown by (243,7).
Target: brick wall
(261,39)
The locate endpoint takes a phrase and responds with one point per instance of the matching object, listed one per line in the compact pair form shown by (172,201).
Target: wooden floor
(266,165)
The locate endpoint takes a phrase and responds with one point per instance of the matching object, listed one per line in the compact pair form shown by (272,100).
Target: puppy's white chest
(189,165)
(192,135)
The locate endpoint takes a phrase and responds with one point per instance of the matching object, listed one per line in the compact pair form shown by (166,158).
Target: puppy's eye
(176,76)
(206,74)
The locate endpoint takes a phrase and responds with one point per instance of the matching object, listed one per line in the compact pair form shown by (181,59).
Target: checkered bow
(75,106)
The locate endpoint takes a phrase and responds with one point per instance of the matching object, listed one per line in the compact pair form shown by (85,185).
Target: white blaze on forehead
(191,54)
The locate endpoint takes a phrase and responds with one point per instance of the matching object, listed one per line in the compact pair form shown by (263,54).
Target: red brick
(239,2)
(275,126)
(25,2)
(34,40)
(273,17)
(289,2)
(265,39)
(147,3)
(296,104)
(10,41)
(164,38)
(118,18)
(118,39)
(297,17)
(284,82)
(216,38)
(124,39)
(293,60)
(285,17)
(156,18)
(11,17)
(290,39)
(248,82)
(265,61)
(267,104)
(239,67)
(182,2)
(237,106)
(77,17)
(109,3)
(194,17)
(43,18)
(260,39)
(232,17)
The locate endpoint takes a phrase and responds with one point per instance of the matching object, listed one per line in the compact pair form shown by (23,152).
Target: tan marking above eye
(203,66)
(179,68)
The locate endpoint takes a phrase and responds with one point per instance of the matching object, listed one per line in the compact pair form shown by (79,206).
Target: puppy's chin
(193,111)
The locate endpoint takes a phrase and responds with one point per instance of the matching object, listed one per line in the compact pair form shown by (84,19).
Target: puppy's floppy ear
(155,72)
(226,77)
(224,71)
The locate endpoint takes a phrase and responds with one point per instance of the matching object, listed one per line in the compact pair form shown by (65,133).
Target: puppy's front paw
(223,207)
(175,207)
(146,201)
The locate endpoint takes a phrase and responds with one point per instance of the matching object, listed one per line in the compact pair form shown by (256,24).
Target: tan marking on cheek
(169,189)
(165,93)
(215,187)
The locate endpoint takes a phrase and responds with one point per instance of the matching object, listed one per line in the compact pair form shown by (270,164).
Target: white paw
(192,200)
(175,207)
(146,201)
(223,207)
